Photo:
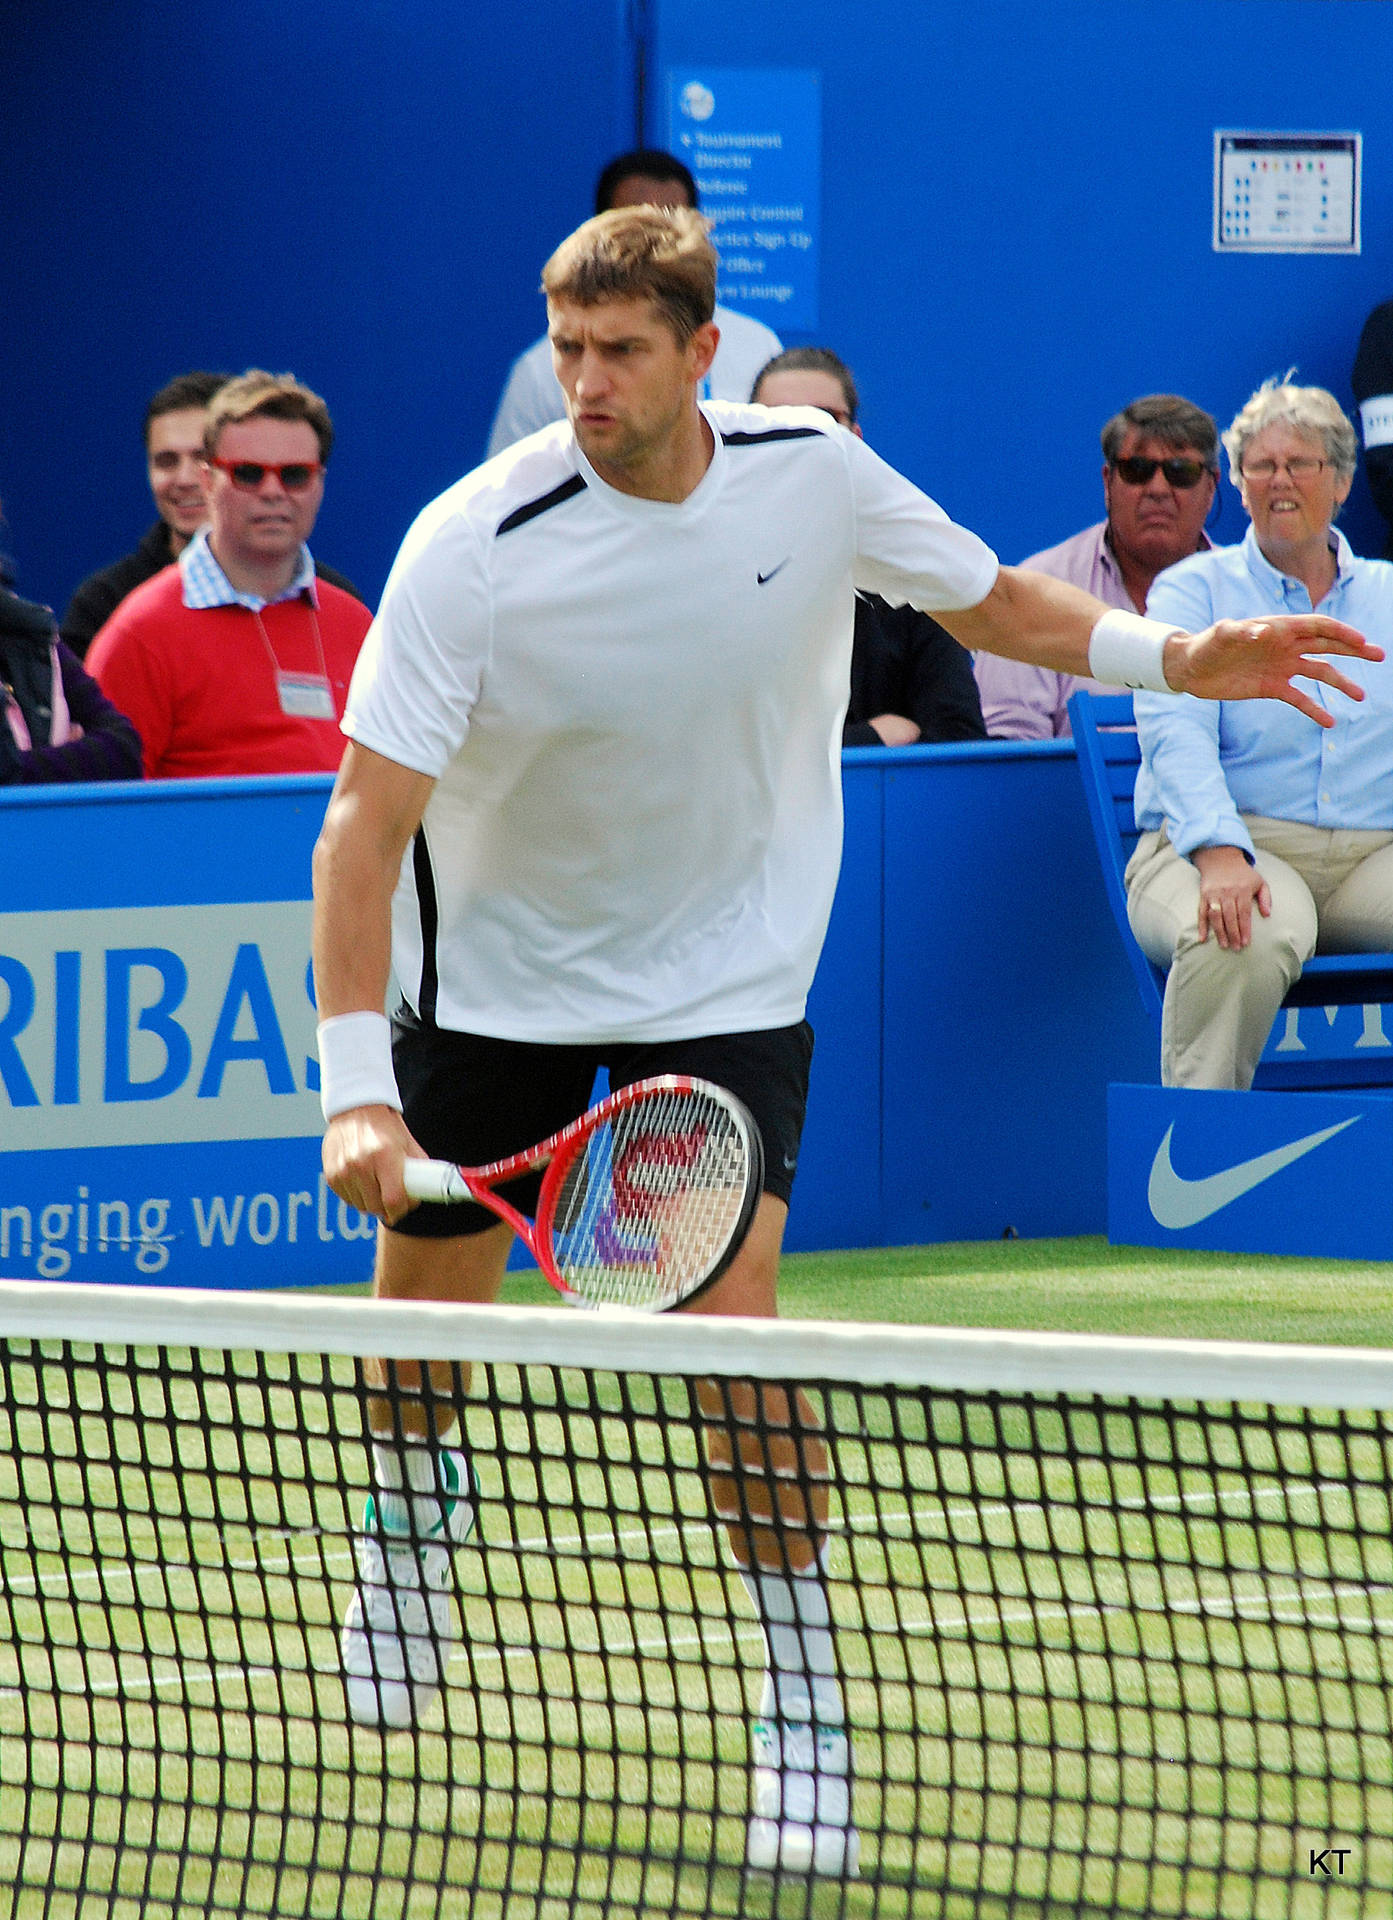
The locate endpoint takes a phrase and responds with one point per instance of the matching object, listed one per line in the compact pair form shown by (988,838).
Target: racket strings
(649,1204)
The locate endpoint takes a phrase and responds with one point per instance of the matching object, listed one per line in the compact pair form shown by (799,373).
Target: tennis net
(1113,1621)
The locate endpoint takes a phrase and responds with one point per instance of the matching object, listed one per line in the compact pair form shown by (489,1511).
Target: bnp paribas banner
(159,1111)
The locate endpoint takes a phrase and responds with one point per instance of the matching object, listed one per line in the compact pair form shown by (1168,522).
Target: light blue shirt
(206,585)
(1206,762)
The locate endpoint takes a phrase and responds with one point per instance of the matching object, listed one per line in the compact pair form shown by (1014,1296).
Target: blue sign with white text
(753,140)
(159,1088)
(1282,1173)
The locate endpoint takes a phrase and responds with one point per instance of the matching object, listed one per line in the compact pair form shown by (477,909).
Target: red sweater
(201,684)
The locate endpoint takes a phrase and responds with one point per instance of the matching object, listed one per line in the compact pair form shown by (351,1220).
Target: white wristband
(1125,650)
(355,1063)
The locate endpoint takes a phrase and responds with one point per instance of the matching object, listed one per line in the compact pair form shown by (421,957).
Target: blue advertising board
(1284,1173)
(753,140)
(159,1111)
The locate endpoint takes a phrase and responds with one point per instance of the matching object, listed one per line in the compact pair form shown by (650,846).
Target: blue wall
(1017,218)
(1016,227)
(362,192)
(157,1035)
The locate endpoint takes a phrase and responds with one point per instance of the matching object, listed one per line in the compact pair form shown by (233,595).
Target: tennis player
(590,813)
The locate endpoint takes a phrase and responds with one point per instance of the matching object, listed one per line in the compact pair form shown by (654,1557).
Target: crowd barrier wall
(159,1117)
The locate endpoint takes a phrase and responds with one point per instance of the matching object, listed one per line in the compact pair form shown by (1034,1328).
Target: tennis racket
(646,1199)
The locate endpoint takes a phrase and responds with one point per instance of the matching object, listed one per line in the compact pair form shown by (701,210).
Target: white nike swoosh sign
(1176,1202)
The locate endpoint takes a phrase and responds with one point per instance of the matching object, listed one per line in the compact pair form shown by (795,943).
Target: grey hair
(1310,410)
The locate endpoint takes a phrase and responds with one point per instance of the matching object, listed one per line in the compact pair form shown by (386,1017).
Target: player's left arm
(1047,622)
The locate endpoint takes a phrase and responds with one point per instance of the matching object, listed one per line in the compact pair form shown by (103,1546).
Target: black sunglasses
(1136,470)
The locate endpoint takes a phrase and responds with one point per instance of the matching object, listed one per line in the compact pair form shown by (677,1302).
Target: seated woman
(1263,839)
(55,721)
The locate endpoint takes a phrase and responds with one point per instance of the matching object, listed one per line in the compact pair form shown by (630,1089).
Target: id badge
(305,696)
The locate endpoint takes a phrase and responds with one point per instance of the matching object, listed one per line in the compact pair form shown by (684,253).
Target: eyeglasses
(1136,470)
(1303,467)
(294,475)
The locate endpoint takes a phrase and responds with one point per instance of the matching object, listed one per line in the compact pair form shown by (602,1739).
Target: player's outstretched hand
(364,1152)
(1258,659)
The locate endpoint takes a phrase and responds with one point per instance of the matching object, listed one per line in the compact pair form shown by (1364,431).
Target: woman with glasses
(1262,840)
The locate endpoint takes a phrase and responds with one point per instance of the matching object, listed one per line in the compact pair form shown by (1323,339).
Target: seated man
(174,463)
(532,397)
(910,680)
(1160,472)
(237,659)
(174,422)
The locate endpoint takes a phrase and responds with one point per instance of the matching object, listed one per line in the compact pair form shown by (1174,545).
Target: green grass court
(1127,1668)
(1086,1286)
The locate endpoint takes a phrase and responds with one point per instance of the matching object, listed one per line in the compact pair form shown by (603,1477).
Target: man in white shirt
(532,397)
(591,810)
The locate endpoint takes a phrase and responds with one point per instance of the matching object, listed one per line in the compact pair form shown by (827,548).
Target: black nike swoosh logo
(763,579)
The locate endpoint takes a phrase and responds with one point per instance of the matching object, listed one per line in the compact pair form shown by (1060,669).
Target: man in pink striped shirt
(1160,471)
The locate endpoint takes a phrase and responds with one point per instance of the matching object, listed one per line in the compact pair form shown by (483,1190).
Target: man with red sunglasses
(237,659)
(1160,472)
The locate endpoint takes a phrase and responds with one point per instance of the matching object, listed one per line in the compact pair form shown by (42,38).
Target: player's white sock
(800,1682)
(410,1466)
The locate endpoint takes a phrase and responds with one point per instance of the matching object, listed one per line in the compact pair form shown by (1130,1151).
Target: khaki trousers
(1332,890)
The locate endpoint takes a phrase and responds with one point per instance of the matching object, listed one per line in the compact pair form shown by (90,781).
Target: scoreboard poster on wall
(1286,192)
(753,140)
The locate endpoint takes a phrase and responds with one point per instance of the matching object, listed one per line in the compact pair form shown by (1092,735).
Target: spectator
(237,659)
(1160,472)
(55,722)
(532,396)
(174,422)
(910,680)
(1372,380)
(1262,840)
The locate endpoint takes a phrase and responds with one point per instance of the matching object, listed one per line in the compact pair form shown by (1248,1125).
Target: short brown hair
(1168,418)
(274,396)
(663,254)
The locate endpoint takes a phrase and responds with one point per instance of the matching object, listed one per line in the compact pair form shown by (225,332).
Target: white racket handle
(433,1180)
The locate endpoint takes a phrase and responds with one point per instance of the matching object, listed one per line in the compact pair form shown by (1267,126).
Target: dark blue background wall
(362,192)
(1017,218)
(1016,226)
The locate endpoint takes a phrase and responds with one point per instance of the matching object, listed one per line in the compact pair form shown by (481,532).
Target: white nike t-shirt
(632,711)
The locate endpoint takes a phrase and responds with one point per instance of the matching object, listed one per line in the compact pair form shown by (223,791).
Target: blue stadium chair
(1109,754)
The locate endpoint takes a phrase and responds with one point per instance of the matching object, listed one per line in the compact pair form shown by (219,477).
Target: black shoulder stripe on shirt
(773,433)
(430,926)
(520,516)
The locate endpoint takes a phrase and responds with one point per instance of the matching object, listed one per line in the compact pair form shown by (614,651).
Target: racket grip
(433,1180)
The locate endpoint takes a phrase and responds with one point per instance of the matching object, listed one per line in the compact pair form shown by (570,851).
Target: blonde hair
(663,254)
(273,396)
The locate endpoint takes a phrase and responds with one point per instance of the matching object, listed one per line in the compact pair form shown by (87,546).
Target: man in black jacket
(910,680)
(174,462)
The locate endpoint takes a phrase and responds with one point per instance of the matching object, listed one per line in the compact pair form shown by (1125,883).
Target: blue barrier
(158,1089)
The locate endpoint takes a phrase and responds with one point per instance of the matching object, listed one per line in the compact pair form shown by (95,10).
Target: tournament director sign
(753,140)
(159,1090)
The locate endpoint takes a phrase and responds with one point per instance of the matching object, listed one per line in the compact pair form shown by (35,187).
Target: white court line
(1282,1608)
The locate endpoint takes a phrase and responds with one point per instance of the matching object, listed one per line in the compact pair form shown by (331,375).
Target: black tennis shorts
(471,1099)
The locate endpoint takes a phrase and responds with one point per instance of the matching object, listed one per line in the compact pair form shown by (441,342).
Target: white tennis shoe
(399,1625)
(800,1819)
